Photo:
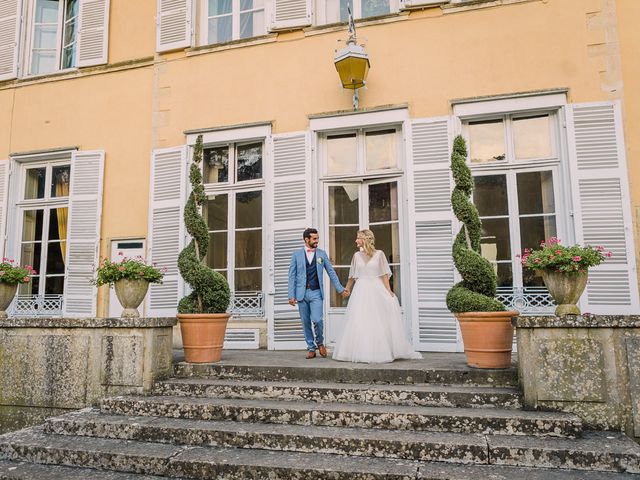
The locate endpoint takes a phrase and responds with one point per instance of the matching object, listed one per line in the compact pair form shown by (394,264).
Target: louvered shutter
(291,214)
(83,233)
(602,205)
(10,16)
(434,327)
(93,32)
(290,14)
(4,203)
(173,24)
(166,228)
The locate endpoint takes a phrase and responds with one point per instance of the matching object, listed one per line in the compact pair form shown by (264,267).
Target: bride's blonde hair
(369,245)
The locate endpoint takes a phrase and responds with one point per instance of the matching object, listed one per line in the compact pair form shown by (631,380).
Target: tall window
(234,184)
(515,164)
(54,27)
(43,217)
(228,20)
(334,11)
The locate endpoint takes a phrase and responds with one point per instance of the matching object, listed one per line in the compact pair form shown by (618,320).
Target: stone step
(35,471)
(196,463)
(324,370)
(393,417)
(379,394)
(605,451)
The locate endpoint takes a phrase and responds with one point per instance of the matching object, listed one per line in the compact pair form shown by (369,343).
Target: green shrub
(476,291)
(210,290)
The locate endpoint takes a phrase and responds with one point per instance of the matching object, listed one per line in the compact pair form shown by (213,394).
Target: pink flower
(120,254)
(551,257)
(537,260)
(542,244)
(557,252)
(25,279)
(10,261)
(1,272)
(608,254)
(577,258)
(121,268)
(34,272)
(600,248)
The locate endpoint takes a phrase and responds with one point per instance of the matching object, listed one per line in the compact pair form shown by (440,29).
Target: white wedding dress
(374,331)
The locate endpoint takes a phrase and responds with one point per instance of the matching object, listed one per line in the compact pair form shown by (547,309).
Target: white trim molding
(465,108)
(358,119)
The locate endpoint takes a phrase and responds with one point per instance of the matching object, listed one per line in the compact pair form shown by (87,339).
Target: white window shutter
(602,205)
(431,237)
(93,33)
(291,214)
(83,233)
(166,228)
(173,24)
(290,14)
(4,202)
(10,16)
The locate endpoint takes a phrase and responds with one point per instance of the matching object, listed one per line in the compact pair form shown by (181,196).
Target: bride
(374,332)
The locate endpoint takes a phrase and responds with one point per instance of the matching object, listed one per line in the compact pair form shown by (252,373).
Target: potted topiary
(10,277)
(485,324)
(202,313)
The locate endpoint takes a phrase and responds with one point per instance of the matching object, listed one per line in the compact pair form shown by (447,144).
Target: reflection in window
(234,19)
(486,141)
(34,184)
(249,162)
(341,153)
(532,137)
(60,176)
(216,165)
(380,149)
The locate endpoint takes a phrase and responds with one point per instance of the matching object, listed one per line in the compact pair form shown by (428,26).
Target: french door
(351,206)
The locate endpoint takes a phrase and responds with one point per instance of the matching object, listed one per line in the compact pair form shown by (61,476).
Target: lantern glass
(353,71)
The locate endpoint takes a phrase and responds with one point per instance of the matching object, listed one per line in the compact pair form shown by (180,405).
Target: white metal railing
(36,306)
(247,304)
(527,300)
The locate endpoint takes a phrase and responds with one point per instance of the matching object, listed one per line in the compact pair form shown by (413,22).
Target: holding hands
(345,293)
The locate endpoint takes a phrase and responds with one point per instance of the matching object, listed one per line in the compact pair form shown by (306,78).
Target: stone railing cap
(578,321)
(67,322)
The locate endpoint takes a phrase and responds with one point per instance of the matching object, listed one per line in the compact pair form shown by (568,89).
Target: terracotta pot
(565,290)
(487,337)
(203,336)
(7,292)
(130,293)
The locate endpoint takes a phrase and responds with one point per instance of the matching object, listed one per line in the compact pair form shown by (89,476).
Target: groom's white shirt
(309,254)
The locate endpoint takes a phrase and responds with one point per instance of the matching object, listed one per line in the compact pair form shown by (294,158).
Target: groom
(305,289)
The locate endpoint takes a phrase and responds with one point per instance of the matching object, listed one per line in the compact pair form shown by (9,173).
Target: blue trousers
(311,314)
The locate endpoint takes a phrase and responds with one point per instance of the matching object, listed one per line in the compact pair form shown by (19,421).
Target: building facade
(101,102)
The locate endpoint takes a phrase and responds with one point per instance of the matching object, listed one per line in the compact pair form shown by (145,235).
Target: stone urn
(7,292)
(565,288)
(130,293)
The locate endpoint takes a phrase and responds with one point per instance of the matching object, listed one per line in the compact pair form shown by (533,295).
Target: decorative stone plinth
(70,363)
(585,364)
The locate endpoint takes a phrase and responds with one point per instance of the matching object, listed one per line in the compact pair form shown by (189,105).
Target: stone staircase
(289,418)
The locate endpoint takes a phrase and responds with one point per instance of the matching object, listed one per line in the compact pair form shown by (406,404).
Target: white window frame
(321,11)
(235,21)
(47,203)
(30,17)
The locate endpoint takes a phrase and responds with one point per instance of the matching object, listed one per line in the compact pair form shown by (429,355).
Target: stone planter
(130,293)
(7,292)
(565,290)
(203,336)
(487,338)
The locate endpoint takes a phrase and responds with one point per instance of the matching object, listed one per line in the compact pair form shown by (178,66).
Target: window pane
(31,288)
(45,36)
(248,209)
(220,29)
(216,165)
(252,24)
(54,285)
(535,192)
(72,8)
(381,149)
(504,274)
(47,11)
(34,184)
(534,230)
(371,8)
(60,181)
(495,240)
(248,280)
(30,255)
(217,253)
(336,10)
(341,153)
(217,212)
(336,299)
(531,278)
(249,162)
(344,204)
(249,248)
(32,225)
(342,244)
(532,137)
(219,7)
(55,259)
(383,202)
(394,282)
(69,56)
(58,218)
(486,141)
(388,240)
(490,195)
(43,62)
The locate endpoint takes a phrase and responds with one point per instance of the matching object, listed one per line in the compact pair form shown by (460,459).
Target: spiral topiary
(476,291)
(210,290)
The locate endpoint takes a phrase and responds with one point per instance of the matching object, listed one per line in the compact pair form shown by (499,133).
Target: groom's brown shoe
(311,354)
(323,350)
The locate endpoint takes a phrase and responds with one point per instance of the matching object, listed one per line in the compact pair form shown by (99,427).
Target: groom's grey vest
(312,273)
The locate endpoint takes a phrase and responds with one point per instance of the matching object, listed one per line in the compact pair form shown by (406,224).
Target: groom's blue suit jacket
(298,273)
